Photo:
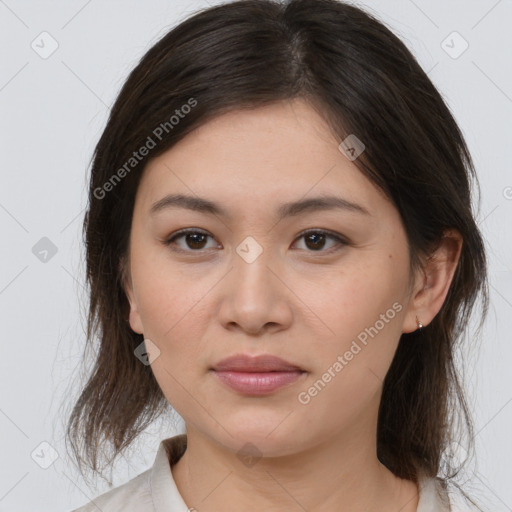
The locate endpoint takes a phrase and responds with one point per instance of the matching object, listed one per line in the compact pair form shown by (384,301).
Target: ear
(433,282)
(127,284)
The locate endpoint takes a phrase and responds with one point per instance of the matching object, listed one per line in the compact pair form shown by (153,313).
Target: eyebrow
(290,209)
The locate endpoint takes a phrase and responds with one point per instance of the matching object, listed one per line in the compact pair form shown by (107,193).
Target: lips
(255,364)
(257,375)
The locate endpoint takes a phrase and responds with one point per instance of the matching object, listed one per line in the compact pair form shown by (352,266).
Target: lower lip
(257,383)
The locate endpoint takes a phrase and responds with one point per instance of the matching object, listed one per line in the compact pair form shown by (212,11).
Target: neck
(336,475)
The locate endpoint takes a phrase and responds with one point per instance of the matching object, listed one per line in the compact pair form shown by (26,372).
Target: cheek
(351,366)
(358,294)
(363,309)
(173,316)
(166,295)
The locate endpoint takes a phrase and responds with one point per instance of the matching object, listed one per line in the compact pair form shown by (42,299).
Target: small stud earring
(420,325)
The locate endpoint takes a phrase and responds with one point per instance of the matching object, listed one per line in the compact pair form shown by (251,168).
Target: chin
(261,439)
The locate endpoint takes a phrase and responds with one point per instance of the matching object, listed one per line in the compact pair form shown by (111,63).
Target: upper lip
(260,363)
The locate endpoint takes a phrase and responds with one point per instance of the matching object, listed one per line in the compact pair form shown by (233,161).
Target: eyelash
(181,233)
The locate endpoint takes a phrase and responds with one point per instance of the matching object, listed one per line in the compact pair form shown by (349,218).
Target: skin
(206,303)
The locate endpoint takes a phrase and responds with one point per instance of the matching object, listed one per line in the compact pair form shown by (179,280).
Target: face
(325,288)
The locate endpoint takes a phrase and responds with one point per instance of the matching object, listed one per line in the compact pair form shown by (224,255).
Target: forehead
(279,153)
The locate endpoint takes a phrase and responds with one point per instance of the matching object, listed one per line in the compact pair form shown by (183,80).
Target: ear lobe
(134,319)
(434,283)
(127,284)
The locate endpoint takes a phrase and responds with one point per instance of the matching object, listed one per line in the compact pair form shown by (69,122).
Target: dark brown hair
(364,81)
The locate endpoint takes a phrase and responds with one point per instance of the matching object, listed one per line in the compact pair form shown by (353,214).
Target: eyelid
(323,231)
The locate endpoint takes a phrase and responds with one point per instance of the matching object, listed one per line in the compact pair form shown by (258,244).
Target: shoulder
(152,490)
(132,496)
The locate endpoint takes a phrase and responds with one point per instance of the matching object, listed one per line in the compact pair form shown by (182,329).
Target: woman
(281,246)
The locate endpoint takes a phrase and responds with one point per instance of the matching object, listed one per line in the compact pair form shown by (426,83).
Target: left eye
(315,240)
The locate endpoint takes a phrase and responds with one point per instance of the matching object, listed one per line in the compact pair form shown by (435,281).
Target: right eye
(194,240)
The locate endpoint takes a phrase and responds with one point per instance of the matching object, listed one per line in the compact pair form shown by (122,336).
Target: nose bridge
(251,263)
(253,297)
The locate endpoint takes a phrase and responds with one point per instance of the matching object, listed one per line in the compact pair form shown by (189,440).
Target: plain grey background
(62,65)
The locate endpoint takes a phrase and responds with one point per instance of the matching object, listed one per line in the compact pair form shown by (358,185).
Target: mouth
(260,375)
(257,383)
(255,364)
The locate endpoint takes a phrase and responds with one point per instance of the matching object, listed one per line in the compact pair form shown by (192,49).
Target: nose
(254,296)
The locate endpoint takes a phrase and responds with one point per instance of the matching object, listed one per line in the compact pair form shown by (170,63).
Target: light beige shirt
(154,490)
